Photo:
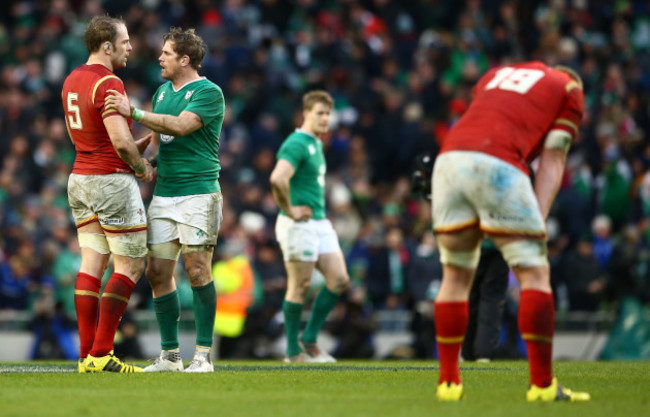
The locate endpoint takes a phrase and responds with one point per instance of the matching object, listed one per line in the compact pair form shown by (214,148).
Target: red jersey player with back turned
(103,195)
(480,186)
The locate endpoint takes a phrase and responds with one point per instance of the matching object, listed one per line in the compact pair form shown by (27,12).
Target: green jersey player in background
(185,212)
(306,237)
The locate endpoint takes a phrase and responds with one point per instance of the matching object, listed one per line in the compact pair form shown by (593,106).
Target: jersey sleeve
(100,92)
(293,152)
(208,104)
(570,116)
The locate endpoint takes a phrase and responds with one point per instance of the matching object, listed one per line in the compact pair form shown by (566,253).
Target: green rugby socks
(205,307)
(292,313)
(168,312)
(323,304)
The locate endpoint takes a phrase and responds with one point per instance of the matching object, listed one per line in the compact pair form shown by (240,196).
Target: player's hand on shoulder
(147,174)
(301,213)
(118,101)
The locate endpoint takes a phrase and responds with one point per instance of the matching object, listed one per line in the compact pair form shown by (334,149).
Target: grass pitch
(264,388)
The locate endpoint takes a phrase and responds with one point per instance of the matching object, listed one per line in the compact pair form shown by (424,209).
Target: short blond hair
(317,96)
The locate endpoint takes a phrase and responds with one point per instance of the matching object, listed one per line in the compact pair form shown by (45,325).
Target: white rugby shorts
(304,241)
(114,201)
(474,189)
(192,219)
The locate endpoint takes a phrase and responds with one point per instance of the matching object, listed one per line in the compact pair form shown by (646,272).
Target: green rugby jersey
(189,164)
(305,153)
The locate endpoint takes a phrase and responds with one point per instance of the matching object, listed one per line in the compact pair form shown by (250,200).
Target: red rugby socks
(114,301)
(86,302)
(536,325)
(451,320)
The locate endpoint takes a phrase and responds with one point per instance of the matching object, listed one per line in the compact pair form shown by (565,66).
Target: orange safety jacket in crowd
(234,283)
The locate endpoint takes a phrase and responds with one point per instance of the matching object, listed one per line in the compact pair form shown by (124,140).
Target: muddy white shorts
(473,189)
(192,219)
(114,201)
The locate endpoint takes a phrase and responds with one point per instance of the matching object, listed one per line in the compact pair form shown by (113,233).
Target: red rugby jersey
(513,109)
(83,96)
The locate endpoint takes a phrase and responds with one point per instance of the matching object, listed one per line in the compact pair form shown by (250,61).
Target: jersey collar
(186,84)
(298,130)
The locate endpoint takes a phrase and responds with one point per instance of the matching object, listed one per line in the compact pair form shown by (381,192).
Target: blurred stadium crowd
(401,73)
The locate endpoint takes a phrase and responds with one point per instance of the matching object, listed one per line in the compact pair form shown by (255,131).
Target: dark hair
(187,42)
(317,96)
(101,29)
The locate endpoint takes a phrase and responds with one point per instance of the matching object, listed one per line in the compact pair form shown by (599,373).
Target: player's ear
(107,46)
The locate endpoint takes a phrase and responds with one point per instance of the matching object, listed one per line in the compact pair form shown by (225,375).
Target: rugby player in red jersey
(103,194)
(481,186)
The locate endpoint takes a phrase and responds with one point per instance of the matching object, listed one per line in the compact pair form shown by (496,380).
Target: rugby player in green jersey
(185,212)
(306,237)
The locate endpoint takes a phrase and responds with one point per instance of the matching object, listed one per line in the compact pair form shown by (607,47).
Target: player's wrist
(137,114)
(140,168)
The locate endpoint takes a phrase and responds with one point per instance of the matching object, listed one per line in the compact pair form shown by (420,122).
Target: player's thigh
(451,181)
(298,280)
(299,241)
(332,266)
(461,241)
(93,263)
(298,274)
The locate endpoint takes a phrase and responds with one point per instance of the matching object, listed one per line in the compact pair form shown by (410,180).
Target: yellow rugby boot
(109,363)
(81,366)
(555,392)
(449,391)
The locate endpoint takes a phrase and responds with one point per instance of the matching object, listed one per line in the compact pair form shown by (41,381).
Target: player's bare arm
(181,125)
(549,177)
(120,135)
(280,178)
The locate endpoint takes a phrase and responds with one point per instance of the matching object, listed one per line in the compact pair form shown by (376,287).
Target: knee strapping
(197,248)
(94,241)
(467,259)
(167,250)
(525,253)
(133,245)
